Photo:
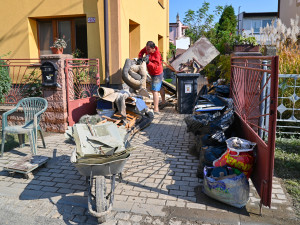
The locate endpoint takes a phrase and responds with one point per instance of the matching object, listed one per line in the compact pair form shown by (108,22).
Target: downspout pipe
(106,43)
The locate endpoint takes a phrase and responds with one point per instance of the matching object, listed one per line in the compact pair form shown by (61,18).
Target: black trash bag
(218,138)
(219,101)
(222,123)
(214,99)
(203,91)
(223,90)
(212,153)
(220,90)
(195,123)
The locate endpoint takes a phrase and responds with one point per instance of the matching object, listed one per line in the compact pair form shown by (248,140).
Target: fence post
(56,115)
(262,107)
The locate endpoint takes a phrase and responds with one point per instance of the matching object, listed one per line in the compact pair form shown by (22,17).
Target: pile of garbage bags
(225,162)
(211,123)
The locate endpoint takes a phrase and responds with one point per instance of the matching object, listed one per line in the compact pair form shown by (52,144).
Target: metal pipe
(263,104)
(106,43)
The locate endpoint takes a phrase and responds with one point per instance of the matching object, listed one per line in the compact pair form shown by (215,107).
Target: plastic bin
(186,87)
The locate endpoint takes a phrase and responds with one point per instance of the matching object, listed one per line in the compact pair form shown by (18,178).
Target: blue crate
(102,104)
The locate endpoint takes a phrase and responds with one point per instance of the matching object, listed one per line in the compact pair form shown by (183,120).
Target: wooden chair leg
(21,140)
(42,137)
(3,143)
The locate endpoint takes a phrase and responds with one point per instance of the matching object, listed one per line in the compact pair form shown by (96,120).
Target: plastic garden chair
(33,109)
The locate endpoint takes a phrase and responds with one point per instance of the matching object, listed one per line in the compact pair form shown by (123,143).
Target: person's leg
(155,88)
(162,90)
(155,100)
(162,94)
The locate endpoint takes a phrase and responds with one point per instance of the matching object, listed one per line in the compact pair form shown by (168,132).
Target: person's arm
(142,52)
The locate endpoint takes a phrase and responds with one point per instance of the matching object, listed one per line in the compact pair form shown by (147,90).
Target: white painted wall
(183,43)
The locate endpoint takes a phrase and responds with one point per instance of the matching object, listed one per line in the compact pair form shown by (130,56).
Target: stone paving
(159,185)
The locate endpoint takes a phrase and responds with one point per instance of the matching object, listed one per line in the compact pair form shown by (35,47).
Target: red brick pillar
(55,118)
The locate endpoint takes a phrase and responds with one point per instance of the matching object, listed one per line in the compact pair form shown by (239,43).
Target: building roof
(260,14)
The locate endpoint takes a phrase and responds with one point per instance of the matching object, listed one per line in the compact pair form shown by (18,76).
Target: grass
(287,167)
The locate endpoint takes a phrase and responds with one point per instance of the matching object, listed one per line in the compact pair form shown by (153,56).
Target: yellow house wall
(18,33)
(288,10)
(153,20)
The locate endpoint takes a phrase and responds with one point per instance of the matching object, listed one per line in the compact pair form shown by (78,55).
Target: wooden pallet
(26,165)
(131,119)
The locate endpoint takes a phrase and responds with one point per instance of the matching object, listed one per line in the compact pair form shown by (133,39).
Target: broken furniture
(198,55)
(33,109)
(131,119)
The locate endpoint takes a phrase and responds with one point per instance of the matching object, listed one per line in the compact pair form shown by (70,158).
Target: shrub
(5,80)
(285,39)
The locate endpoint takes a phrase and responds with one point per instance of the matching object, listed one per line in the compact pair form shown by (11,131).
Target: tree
(226,31)
(172,50)
(200,22)
(228,21)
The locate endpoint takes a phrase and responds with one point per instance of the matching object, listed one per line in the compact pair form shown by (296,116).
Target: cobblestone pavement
(159,185)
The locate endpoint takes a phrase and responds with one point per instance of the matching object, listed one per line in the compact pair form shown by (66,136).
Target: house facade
(29,28)
(287,10)
(177,32)
(248,22)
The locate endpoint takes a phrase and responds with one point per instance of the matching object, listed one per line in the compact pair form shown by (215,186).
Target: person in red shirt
(155,69)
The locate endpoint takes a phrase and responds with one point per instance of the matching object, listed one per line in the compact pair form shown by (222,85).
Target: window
(73,30)
(45,37)
(256,24)
(247,24)
(265,22)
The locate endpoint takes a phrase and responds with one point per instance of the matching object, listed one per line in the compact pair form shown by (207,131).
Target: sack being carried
(239,155)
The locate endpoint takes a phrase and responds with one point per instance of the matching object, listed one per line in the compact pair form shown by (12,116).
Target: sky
(181,6)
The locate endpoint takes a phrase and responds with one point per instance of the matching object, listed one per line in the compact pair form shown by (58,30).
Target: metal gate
(83,80)
(254,89)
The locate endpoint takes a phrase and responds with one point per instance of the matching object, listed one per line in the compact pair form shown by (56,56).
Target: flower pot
(246,48)
(57,50)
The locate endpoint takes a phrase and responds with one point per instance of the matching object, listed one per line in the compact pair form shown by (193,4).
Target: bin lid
(188,74)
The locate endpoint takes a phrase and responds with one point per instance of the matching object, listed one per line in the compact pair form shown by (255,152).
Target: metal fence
(26,79)
(288,119)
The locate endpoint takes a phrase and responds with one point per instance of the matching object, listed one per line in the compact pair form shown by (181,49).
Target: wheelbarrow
(100,204)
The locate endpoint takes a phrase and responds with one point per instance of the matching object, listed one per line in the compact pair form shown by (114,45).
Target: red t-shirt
(155,61)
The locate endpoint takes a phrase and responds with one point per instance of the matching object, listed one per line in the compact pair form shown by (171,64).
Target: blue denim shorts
(156,82)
